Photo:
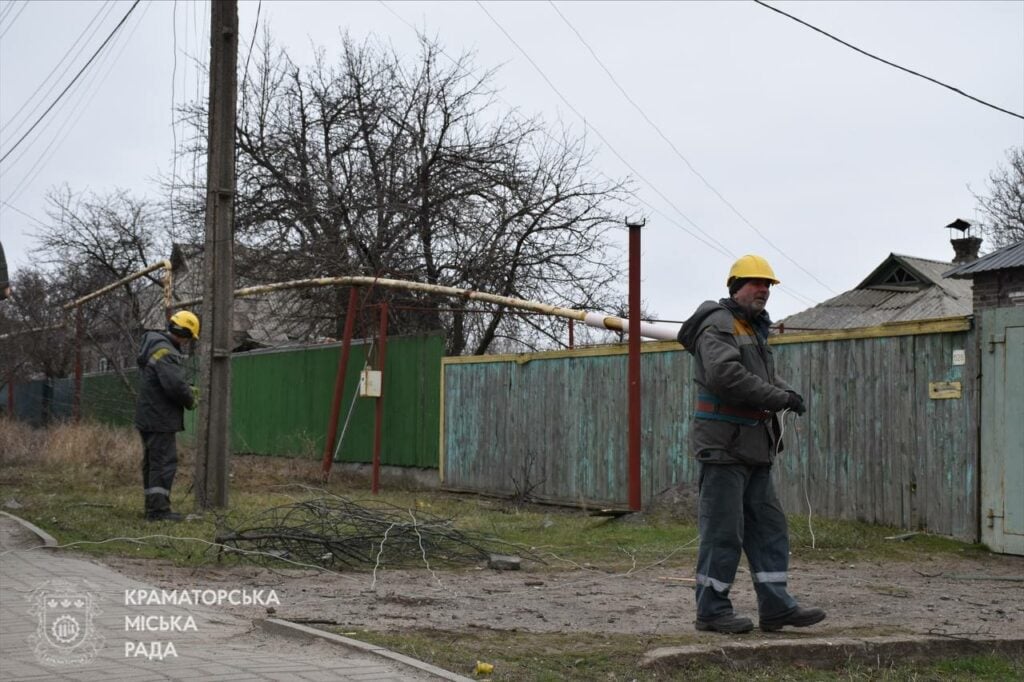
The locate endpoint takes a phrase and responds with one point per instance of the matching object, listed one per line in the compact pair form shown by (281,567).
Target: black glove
(795,403)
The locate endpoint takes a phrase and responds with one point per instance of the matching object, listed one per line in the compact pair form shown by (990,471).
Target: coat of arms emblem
(65,633)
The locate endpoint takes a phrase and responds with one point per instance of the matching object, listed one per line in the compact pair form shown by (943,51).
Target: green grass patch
(83,484)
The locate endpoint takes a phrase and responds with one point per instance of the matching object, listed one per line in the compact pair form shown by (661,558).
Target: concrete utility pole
(213,432)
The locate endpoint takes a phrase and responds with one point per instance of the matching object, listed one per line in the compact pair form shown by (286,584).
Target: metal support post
(339,382)
(634,366)
(382,347)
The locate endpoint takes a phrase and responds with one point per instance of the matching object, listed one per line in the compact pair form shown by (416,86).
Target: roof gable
(901,288)
(900,273)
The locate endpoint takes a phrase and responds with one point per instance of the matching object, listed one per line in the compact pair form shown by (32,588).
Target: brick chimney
(965,247)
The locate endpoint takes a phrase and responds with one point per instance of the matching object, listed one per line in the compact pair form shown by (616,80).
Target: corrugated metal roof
(1011,256)
(867,306)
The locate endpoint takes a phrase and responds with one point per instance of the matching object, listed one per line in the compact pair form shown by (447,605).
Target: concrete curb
(48,540)
(828,653)
(278,626)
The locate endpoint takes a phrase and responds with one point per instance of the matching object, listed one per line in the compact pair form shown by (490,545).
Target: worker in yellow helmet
(735,436)
(164,394)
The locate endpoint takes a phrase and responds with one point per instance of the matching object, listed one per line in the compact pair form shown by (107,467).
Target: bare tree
(374,166)
(1003,205)
(92,241)
(34,323)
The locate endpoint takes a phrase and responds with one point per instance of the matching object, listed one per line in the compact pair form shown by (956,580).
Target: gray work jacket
(163,391)
(738,393)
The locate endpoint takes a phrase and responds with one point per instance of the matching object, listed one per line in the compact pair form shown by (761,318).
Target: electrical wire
(37,221)
(14,19)
(723,249)
(678,153)
(73,80)
(245,72)
(91,31)
(806,300)
(807,498)
(713,243)
(85,97)
(174,125)
(887,62)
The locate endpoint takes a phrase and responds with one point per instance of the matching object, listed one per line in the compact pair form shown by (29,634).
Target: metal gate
(1002,429)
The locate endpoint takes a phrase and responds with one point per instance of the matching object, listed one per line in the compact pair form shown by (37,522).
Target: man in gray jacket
(164,394)
(735,437)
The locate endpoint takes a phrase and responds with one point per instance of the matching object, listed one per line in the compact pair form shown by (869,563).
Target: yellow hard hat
(184,321)
(751,267)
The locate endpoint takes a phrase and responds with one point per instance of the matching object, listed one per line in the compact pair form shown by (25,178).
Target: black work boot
(798,618)
(165,516)
(729,623)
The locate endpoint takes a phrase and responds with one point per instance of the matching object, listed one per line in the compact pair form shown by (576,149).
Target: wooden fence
(887,439)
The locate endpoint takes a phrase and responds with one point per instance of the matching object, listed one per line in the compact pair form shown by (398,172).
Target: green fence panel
(281,402)
(110,398)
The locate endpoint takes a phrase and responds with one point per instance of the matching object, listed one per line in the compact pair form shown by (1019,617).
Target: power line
(106,7)
(724,250)
(715,244)
(20,10)
(678,153)
(18,210)
(252,42)
(887,62)
(73,80)
(85,96)
(670,219)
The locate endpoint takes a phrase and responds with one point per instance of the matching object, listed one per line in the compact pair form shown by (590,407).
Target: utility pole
(213,430)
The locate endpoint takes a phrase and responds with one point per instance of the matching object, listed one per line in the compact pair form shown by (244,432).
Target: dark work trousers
(159,464)
(739,510)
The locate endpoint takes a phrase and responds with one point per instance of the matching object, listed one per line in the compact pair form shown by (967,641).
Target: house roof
(1011,256)
(901,289)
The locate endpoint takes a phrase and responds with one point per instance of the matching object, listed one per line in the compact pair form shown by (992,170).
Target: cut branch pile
(335,532)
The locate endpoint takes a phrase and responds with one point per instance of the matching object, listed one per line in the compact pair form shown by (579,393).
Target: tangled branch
(335,532)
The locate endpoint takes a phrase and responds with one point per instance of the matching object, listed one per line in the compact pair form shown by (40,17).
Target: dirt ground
(950,596)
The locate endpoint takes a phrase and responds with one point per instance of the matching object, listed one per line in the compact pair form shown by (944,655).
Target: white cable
(352,406)
(807,497)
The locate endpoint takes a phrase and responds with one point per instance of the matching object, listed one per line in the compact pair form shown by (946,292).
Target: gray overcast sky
(837,159)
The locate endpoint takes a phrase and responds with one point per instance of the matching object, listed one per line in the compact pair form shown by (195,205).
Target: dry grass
(93,451)
(74,448)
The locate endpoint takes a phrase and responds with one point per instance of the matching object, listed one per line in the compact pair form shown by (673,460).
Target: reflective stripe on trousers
(739,513)
(159,465)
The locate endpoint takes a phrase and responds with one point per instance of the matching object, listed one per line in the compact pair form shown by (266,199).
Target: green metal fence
(281,399)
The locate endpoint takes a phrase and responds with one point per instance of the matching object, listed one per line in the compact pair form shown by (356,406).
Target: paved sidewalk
(45,611)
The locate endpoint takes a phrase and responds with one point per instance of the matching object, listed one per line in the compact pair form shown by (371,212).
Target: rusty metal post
(76,396)
(635,433)
(572,335)
(382,347)
(339,381)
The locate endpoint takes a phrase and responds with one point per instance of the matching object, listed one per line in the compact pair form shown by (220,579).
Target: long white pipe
(651,330)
